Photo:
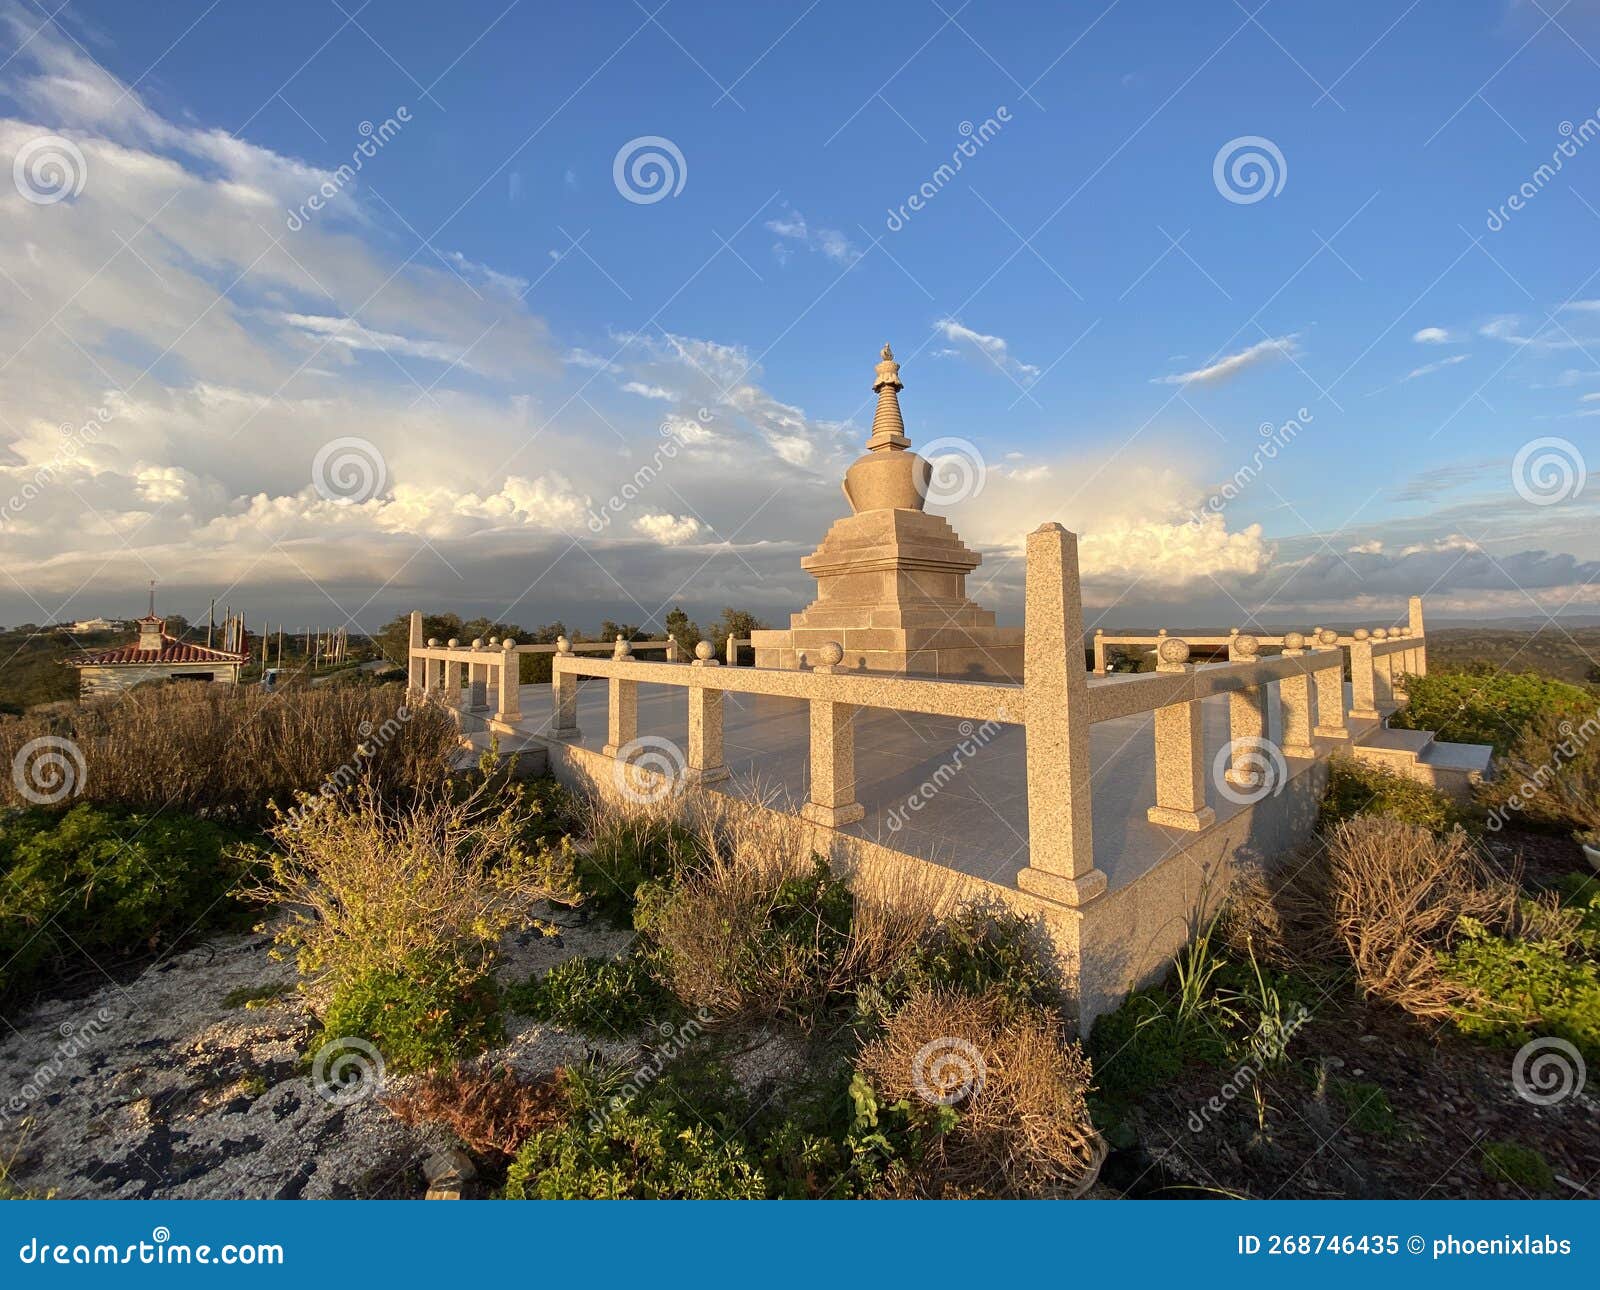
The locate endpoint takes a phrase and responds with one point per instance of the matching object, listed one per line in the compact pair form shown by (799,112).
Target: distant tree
(735,622)
(393,640)
(609,631)
(681,629)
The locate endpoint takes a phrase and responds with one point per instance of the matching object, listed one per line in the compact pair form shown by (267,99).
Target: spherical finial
(1361,633)
(1294,640)
(563,645)
(888,354)
(1381,634)
(433,642)
(831,653)
(1327,636)
(1246,646)
(494,640)
(704,650)
(1172,651)
(510,642)
(622,649)
(452,642)
(477,642)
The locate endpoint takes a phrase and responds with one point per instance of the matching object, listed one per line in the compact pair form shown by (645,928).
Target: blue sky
(1082,306)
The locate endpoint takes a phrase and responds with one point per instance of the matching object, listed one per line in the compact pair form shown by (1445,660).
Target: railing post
(1330,689)
(564,689)
(1419,665)
(1363,700)
(452,681)
(1247,717)
(705,722)
(1294,701)
(622,715)
(416,679)
(1383,673)
(833,754)
(430,669)
(509,693)
(477,681)
(672,649)
(1056,693)
(732,656)
(1180,753)
(1099,651)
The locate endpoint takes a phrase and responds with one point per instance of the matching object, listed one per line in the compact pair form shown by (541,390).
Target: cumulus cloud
(1431,336)
(669,530)
(1226,369)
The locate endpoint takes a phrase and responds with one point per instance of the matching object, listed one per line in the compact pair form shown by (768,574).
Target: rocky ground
(165,1087)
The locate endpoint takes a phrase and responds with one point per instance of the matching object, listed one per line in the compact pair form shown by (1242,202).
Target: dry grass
(757,929)
(1389,897)
(1018,1088)
(370,887)
(487,1107)
(226,751)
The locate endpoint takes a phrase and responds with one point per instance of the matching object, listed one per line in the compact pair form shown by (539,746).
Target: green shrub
(106,884)
(637,1151)
(429,1011)
(1356,788)
(985,947)
(597,996)
(1511,1162)
(1525,987)
(1550,779)
(628,849)
(1486,707)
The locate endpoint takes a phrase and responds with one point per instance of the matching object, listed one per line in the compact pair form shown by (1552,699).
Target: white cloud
(1225,369)
(646,391)
(994,348)
(791,226)
(1431,336)
(1427,369)
(668,530)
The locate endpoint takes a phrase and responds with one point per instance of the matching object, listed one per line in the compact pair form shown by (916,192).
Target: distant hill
(1571,653)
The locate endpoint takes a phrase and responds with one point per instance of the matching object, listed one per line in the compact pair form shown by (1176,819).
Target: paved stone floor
(975,818)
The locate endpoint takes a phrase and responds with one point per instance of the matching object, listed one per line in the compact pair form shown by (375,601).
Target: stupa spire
(888,429)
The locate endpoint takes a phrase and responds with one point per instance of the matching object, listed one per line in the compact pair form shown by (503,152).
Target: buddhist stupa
(891,578)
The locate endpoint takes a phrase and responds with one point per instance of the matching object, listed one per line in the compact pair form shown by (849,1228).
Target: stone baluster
(430,670)
(833,754)
(509,691)
(478,680)
(1363,682)
(622,717)
(1382,673)
(672,649)
(1056,692)
(416,668)
(1294,702)
(1247,717)
(1099,651)
(1180,752)
(452,680)
(731,657)
(705,722)
(564,691)
(1330,688)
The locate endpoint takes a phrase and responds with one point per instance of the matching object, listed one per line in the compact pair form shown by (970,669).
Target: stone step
(1449,767)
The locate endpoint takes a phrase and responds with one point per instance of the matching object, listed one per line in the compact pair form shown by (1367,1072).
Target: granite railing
(1057,704)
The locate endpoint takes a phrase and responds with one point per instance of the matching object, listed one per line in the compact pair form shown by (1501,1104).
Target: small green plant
(428,1011)
(598,996)
(1356,788)
(1366,1107)
(254,996)
(983,947)
(1522,1167)
(1519,987)
(628,849)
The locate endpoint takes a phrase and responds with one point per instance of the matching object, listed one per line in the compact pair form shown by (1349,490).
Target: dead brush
(486,1106)
(1018,1088)
(1386,896)
(225,751)
(762,927)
